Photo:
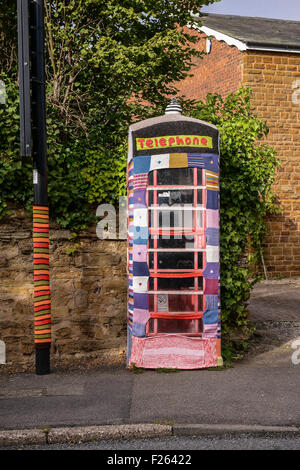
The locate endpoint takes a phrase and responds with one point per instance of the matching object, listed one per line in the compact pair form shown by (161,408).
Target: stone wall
(88,284)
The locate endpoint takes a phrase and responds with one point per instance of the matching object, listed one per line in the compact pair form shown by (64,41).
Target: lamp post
(31,40)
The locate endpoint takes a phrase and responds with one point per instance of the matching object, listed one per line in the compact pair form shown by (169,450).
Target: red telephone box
(173,243)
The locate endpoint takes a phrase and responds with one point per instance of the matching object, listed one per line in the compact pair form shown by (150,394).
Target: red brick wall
(271,76)
(219,71)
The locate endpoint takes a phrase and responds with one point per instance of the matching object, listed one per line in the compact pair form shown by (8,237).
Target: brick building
(263,54)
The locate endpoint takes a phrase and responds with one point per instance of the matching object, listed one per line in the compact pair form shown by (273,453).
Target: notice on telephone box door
(162,303)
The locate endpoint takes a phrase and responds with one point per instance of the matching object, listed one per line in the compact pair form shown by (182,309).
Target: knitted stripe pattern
(42,301)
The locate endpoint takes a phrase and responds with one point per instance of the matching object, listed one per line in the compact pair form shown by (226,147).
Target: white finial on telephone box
(173,107)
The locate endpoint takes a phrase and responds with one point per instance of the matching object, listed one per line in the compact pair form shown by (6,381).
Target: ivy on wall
(247,170)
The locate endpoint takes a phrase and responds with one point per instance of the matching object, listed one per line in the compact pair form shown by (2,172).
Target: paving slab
(241,395)
(85,399)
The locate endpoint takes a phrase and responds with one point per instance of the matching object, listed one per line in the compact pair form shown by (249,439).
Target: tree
(102,54)
(107,63)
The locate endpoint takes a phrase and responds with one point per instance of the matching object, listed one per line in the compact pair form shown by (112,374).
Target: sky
(287,9)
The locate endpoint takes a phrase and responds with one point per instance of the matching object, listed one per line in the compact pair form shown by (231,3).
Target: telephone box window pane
(173,242)
(200,219)
(173,325)
(171,260)
(172,197)
(175,177)
(199,176)
(200,260)
(199,196)
(169,198)
(182,303)
(174,219)
(150,198)
(151,260)
(170,219)
(151,326)
(179,303)
(188,219)
(165,283)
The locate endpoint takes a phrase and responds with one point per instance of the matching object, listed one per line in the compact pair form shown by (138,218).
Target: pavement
(259,394)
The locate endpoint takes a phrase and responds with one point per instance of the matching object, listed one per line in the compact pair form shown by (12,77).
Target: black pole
(24,78)
(38,102)
(40,177)
(31,43)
